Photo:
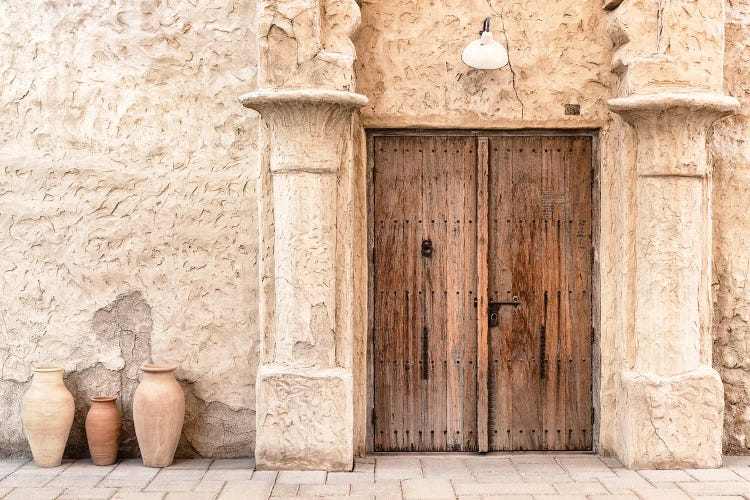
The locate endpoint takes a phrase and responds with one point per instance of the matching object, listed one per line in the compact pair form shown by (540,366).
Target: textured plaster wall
(408,63)
(731,259)
(127,209)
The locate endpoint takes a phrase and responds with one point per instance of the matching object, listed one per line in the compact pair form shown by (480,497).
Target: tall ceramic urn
(103,428)
(47,414)
(158,414)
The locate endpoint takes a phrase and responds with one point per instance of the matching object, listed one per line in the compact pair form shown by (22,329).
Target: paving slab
(532,458)
(364,467)
(265,475)
(490,465)
(657,494)
(716,488)
(34,494)
(584,463)
(16,480)
(612,462)
(86,493)
(284,490)
(350,477)
(192,463)
(427,489)
(75,480)
(713,474)
(167,486)
(397,468)
(301,477)
(450,468)
(86,466)
(658,476)
(545,468)
(228,474)
(191,495)
(131,494)
(380,490)
(510,477)
(580,488)
(209,485)
(233,463)
(324,490)
(246,490)
(624,483)
(484,489)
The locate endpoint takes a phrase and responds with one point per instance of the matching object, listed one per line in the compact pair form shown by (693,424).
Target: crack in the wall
(507,47)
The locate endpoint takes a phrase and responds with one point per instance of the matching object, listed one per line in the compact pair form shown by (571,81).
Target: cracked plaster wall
(731,253)
(127,209)
(408,63)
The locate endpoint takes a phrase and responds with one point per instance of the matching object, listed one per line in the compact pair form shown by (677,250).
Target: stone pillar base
(672,422)
(304,419)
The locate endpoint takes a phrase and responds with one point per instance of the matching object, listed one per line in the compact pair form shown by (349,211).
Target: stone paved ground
(466,477)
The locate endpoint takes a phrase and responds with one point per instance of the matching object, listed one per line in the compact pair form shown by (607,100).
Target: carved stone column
(308,194)
(672,399)
(669,399)
(304,386)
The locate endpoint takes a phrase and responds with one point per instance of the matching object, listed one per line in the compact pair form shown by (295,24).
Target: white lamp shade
(485,53)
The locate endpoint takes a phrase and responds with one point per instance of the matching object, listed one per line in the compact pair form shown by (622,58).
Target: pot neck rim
(104,399)
(47,369)
(157,368)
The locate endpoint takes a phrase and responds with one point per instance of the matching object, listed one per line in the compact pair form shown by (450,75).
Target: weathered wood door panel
(425,321)
(540,254)
(527,384)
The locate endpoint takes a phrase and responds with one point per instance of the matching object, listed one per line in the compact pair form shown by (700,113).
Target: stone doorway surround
(661,400)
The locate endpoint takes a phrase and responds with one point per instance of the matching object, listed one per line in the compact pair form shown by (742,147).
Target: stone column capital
(309,126)
(271,102)
(671,129)
(644,109)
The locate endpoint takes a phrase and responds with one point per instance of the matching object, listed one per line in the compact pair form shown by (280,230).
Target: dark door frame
(596,232)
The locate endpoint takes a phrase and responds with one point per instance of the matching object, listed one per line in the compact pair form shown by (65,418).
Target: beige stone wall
(731,259)
(127,208)
(409,63)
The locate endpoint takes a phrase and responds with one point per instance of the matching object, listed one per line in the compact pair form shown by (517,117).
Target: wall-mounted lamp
(485,53)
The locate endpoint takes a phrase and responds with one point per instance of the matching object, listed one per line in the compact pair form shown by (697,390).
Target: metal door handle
(494,308)
(515,302)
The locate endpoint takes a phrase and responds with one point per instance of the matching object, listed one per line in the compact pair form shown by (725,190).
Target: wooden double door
(482,262)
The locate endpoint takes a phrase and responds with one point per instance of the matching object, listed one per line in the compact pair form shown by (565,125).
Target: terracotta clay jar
(47,414)
(158,414)
(103,428)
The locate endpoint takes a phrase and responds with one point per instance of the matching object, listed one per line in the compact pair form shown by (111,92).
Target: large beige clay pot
(47,413)
(158,414)
(103,427)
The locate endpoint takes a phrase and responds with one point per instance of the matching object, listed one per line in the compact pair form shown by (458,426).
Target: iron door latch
(493,308)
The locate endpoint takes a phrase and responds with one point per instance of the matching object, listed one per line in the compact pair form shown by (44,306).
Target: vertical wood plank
(500,288)
(481,294)
(580,273)
(554,223)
